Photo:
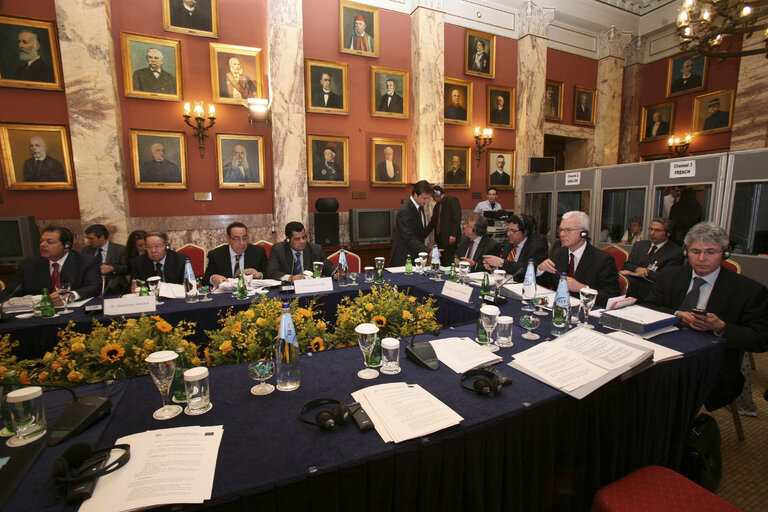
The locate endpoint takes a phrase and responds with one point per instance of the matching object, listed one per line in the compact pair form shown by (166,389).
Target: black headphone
(66,237)
(80,463)
(726,252)
(325,419)
(520,221)
(480,227)
(482,385)
(584,234)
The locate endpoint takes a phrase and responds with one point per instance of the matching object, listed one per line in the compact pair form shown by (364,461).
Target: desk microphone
(422,352)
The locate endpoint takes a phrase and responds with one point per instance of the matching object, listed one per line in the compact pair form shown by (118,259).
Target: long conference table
(529,448)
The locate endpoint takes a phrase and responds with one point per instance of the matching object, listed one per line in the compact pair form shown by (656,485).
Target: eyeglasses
(568,230)
(513,231)
(707,252)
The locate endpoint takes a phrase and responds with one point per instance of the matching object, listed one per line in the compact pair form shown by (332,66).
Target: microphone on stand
(422,352)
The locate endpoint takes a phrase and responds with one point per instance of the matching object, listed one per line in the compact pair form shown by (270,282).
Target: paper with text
(462,354)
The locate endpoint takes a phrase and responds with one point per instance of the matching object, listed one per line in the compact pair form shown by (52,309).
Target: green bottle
(242,291)
(143,290)
(482,336)
(46,305)
(485,288)
(177,387)
(452,275)
(408,265)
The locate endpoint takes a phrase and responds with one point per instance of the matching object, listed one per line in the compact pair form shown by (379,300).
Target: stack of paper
(401,411)
(21,304)
(637,319)
(462,354)
(660,352)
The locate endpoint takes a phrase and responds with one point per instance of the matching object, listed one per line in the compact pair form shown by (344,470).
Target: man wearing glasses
(582,263)
(711,298)
(524,244)
(158,260)
(235,258)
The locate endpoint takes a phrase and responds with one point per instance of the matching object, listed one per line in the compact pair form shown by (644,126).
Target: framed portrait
(686,72)
(358,29)
(389,162)
(327,86)
(240,160)
(389,92)
(36,157)
(480,54)
(235,73)
(457,96)
(196,17)
(151,67)
(159,159)
(553,101)
(29,54)
(457,166)
(713,112)
(500,107)
(328,164)
(501,168)
(656,121)
(584,104)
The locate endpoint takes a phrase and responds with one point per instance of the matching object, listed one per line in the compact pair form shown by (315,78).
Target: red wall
(572,70)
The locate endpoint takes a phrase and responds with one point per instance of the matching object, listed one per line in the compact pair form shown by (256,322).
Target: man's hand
(471,262)
(491,262)
(574,285)
(106,269)
(57,301)
(216,279)
(451,240)
(641,271)
(253,272)
(548,266)
(625,272)
(699,322)
(295,277)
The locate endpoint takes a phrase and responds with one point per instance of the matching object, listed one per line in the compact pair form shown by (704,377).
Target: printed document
(462,354)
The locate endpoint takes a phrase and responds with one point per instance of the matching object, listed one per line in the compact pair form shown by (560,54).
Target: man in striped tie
(524,244)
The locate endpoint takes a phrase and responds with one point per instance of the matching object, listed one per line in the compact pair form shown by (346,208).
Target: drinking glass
(64,290)
(464,271)
(435,264)
(317,269)
(203,290)
(153,283)
(368,274)
(504,331)
(529,323)
(390,356)
(261,371)
(489,315)
(498,279)
(162,367)
(27,414)
(540,311)
(366,338)
(423,264)
(588,296)
(197,387)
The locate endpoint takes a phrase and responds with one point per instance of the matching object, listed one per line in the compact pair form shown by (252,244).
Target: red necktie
(512,253)
(469,250)
(647,258)
(55,277)
(570,266)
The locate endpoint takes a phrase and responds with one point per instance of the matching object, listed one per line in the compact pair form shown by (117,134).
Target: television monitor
(371,225)
(542,164)
(19,239)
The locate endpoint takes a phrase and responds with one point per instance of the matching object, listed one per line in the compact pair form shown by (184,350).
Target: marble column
(286,92)
(610,79)
(428,75)
(750,114)
(631,106)
(88,65)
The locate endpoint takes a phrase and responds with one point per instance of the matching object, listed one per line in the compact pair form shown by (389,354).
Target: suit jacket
(396,105)
(456,112)
(116,280)
(448,210)
(484,65)
(33,274)
(596,269)
(409,234)
(717,120)
(335,174)
(500,178)
(381,172)
(143,268)
(219,261)
(50,169)
(163,171)
(233,175)
(144,80)
(500,116)
(199,19)
(334,100)
(741,303)
(37,71)
(487,245)
(681,85)
(583,114)
(663,129)
(281,260)
(535,248)
(457,178)
(670,255)
(227,89)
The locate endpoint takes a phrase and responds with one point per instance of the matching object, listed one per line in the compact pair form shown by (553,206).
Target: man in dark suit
(649,256)
(290,258)
(328,169)
(475,244)
(388,170)
(524,244)
(42,167)
(159,169)
(325,97)
(57,264)
(687,80)
(411,225)
(235,258)
(110,257)
(583,264)
(455,110)
(658,127)
(391,101)
(446,222)
(31,67)
(479,61)
(154,78)
(239,169)
(736,306)
(195,14)
(500,176)
(500,113)
(158,260)
(455,175)
(717,118)
(236,84)
(584,109)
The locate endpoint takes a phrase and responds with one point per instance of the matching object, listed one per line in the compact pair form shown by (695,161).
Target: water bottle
(482,336)
(529,287)
(435,259)
(408,265)
(343,268)
(46,305)
(190,286)
(177,387)
(287,353)
(561,309)
(242,291)
(452,275)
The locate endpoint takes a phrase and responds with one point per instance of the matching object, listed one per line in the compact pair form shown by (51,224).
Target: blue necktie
(297,268)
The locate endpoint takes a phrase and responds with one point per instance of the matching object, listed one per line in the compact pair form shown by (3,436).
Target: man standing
(657,127)
(479,61)
(328,170)
(475,244)
(31,67)
(154,78)
(411,225)
(391,101)
(239,170)
(500,113)
(42,167)
(159,169)
(524,244)
(717,118)
(687,79)
(325,97)
(158,260)
(500,176)
(235,258)
(736,307)
(236,84)
(649,256)
(583,264)
(388,170)
(446,222)
(583,109)
(456,175)
(455,110)
(489,204)
(194,14)
(359,40)
(110,257)
(57,264)
(290,258)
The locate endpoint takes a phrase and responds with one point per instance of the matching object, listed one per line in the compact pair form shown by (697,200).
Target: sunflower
(74,376)
(236,327)
(24,377)
(195,361)
(163,326)
(379,320)
(111,353)
(321,326)
(318,345)
(304,312)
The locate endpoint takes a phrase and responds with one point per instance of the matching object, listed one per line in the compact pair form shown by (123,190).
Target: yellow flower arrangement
(111,353)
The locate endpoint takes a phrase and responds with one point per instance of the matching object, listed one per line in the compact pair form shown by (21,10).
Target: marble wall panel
(750,114)
(630,115)
(581,152)
(610,77)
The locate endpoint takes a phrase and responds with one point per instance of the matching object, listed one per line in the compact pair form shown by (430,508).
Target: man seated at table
(110,257)
(475,243)
(583,264)
(235,258)
(649,256)
(524,244)
(290,258)
(58,263)
(736,306)
(158,260)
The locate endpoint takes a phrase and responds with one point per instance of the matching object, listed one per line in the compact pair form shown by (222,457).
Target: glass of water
(489,316)
(368,274)
(390,356)
(499,275)
(504,331)
(423,258)
(464,271)
(588,296)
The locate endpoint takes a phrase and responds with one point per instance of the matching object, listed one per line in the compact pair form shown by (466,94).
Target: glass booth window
(684,205)
(621,220)
(749,218)
(538,207)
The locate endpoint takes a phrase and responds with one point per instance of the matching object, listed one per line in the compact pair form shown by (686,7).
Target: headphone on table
(80,463)
(326,419)
(486,382)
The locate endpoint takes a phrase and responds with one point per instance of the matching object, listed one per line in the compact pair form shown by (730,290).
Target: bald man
(42,167)
(31,67)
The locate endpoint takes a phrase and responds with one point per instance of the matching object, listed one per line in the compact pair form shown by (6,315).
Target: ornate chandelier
(702,24)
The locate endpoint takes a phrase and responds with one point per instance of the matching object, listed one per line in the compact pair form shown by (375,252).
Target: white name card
(684,169)
(460,292)
(323,284)
(572,178)
(129,305)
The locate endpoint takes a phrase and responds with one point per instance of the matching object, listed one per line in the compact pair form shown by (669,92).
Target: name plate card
(684,169)
(130,305)
(572,179)
(460,292)
(323,284)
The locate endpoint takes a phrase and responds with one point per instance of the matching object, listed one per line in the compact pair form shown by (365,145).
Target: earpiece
(325,419)
(726,253)
(584,234)
(486,382)
(71,467)
(66,237)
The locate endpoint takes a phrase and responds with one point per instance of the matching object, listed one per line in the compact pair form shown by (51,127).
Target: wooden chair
(619,255)
(266,245)
(623,284)
(353,261)
(196,256)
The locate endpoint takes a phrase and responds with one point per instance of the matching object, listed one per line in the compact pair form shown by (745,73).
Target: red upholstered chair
(619,255)
(196,256)
(657,489)
(731,265)
(353,261)
(266,245)
(623,284)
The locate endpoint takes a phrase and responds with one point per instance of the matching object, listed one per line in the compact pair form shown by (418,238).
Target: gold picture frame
(36,157)
(396,152)
(323,167)
(138,73)
(553,106)
(155,169)
(479,53)
(685,81)
(500,106)
(202,21)
(38,40)
(666,114)
(235,73)
(458,110)
(459,177)
(584,105)
(351,15)
(384,105)
(708,119)
(240,161)
(501,180)
(338,96)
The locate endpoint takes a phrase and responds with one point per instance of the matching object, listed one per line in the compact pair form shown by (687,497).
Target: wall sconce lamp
(199,130)
(258,110)
(677,146)
(482,140)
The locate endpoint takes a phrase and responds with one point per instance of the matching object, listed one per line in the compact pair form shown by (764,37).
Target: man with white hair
(42,167)
(31,67)
(239,170)
(154,78)
(581,262)
(159,169)
(194,14)
(236,84)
